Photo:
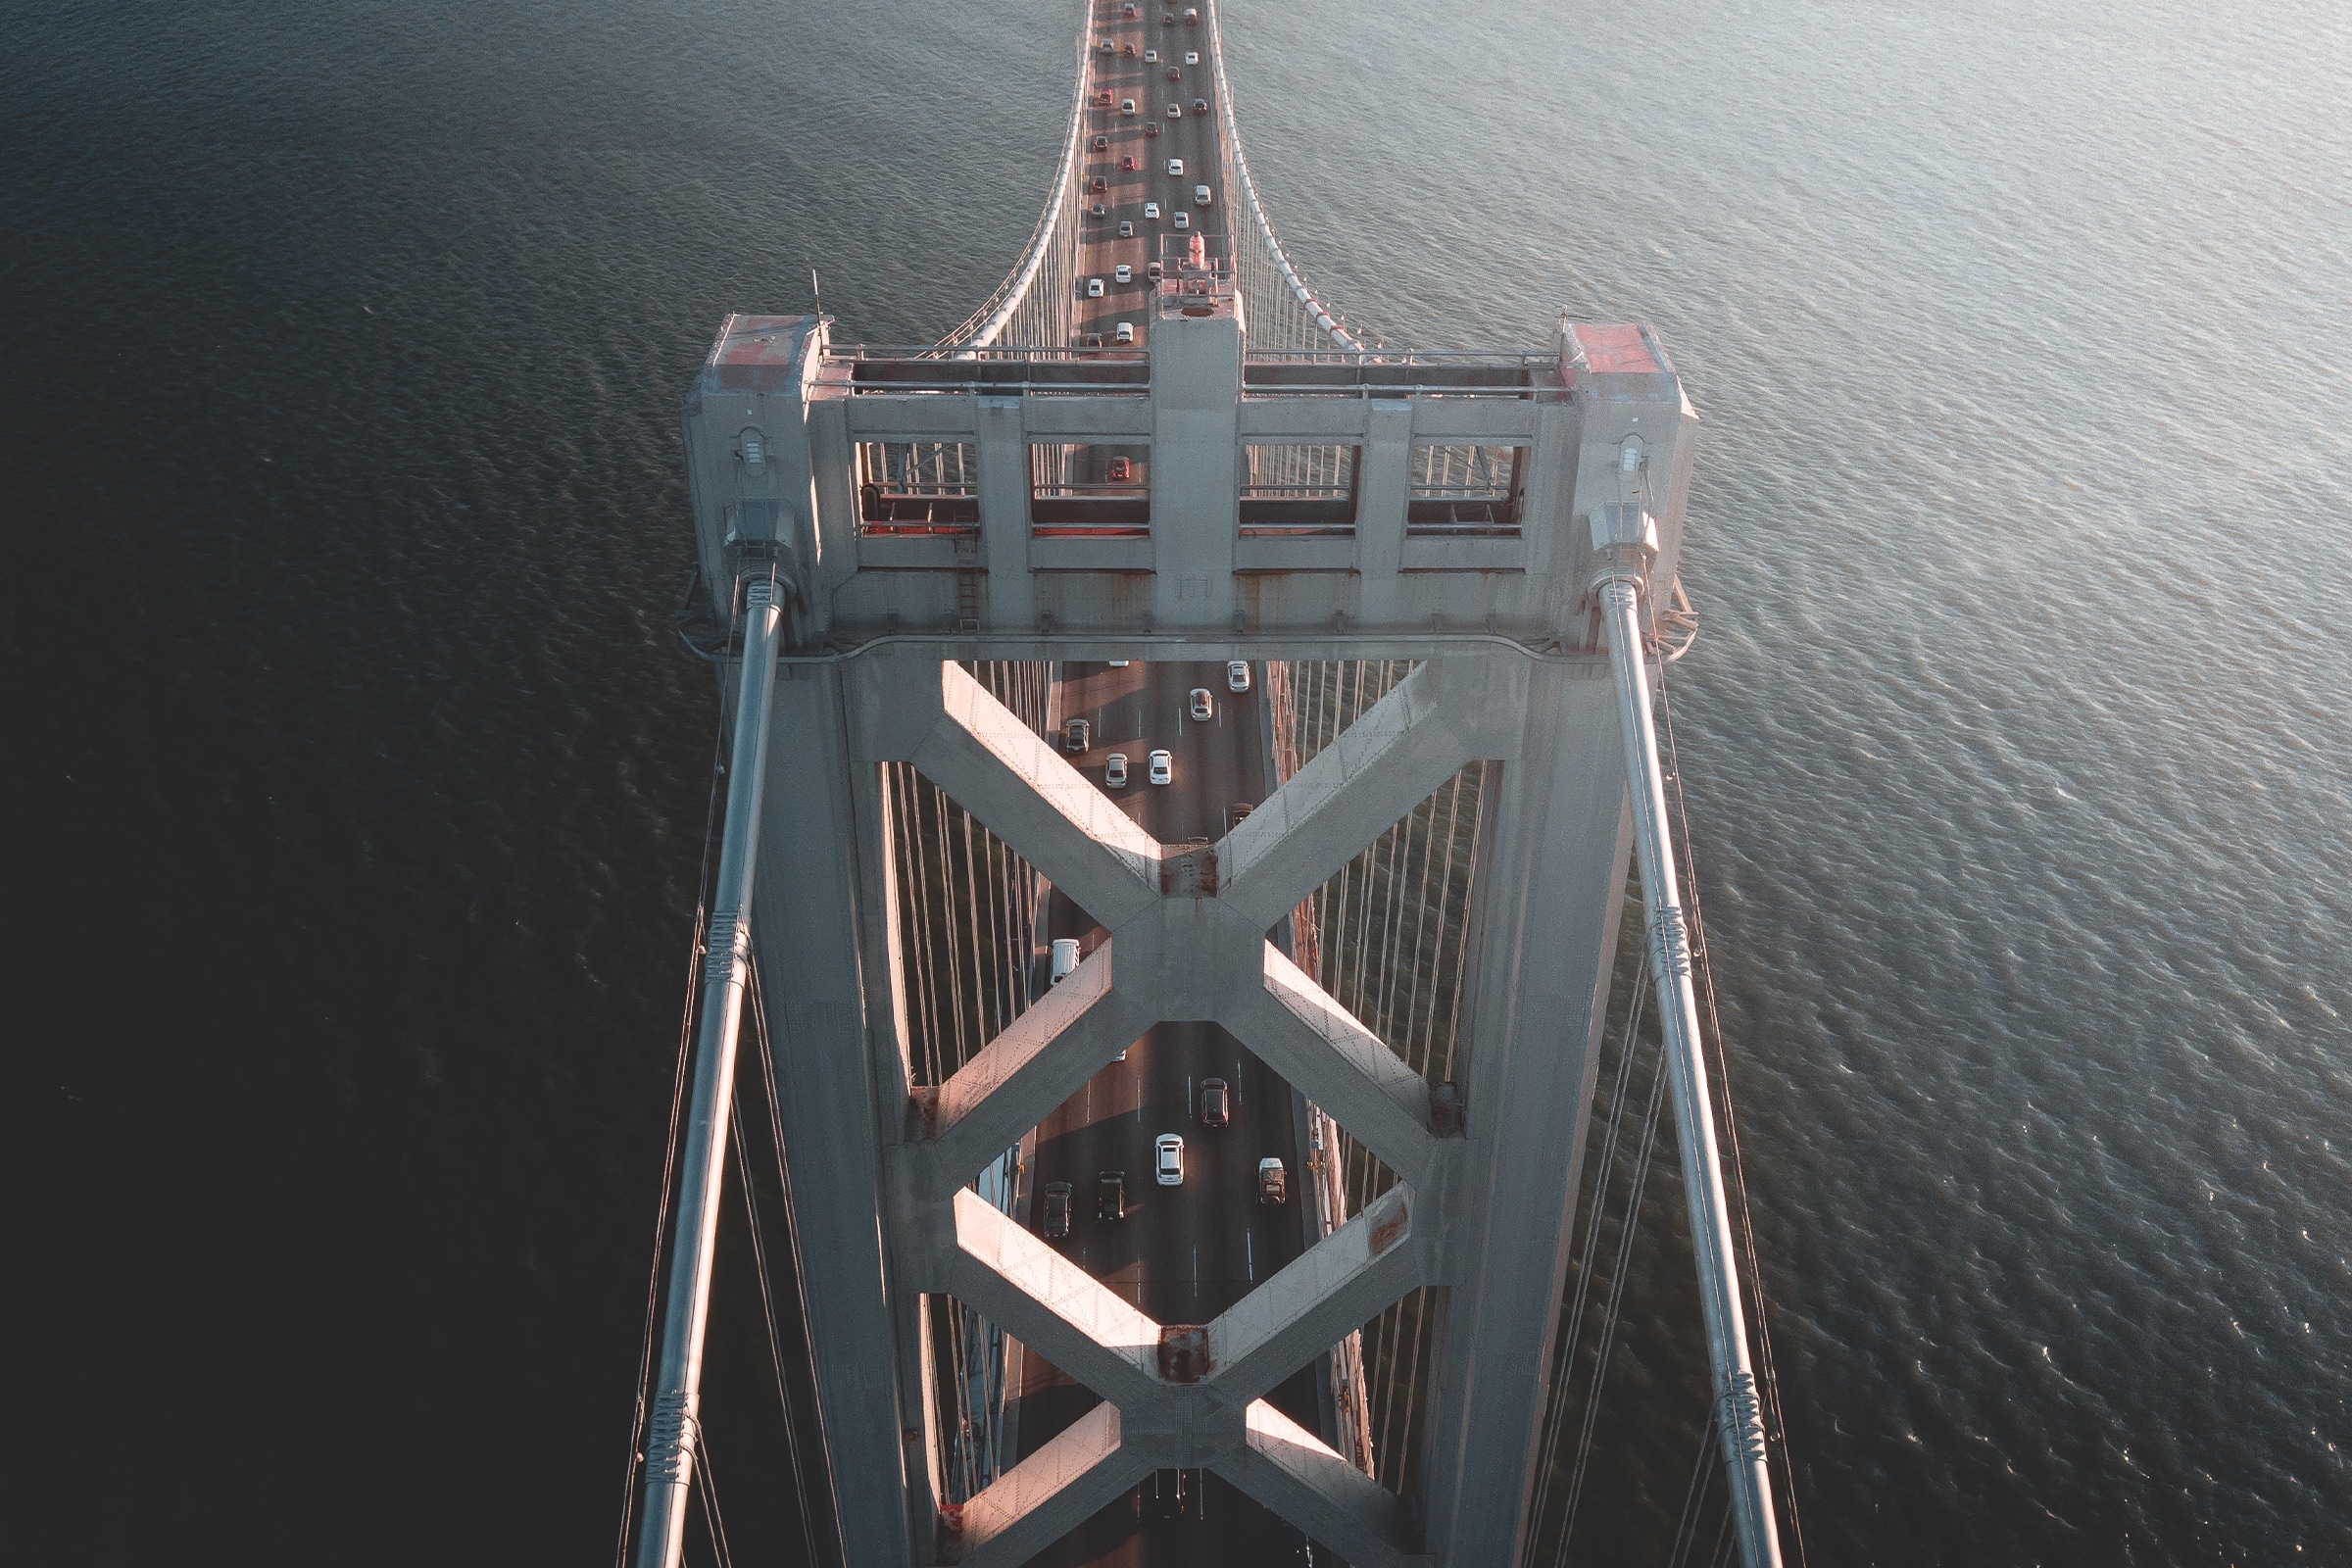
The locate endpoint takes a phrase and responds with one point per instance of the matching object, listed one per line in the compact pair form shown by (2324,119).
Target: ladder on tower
(967,581)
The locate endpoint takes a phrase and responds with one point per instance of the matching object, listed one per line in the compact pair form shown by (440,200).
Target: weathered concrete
(835,1131)
(1548,894)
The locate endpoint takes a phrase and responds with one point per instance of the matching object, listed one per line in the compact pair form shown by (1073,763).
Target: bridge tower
(1241,481)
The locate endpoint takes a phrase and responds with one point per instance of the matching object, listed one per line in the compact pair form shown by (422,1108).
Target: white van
(1066,957)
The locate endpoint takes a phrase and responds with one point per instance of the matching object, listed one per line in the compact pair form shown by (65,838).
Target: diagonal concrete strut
(1042,1058)
(1443,717)
(1048,1495)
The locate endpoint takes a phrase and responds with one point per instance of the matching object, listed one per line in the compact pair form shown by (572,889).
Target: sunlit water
(357,783)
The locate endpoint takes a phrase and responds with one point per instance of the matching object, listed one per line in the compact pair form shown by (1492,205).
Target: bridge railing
(1034,298)
(1281,309)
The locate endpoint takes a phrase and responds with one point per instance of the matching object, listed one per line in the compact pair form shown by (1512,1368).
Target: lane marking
(1250,1247)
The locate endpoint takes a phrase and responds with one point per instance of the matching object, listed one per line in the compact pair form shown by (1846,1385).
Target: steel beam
(1626,542)
(674,1429)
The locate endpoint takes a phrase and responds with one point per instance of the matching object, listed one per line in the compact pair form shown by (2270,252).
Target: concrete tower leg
(1550,893)
(813,870)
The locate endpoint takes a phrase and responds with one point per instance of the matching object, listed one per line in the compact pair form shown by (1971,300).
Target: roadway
(1150,136)
(1183,1254)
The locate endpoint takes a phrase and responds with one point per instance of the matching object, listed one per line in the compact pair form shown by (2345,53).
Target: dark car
(1098,184)
(1076,736)
(1151,127)
(1057,1210)
(1216,1103)
(1128,161)
(1200,105)
(1111,1196)
(1101,144)
(1175,73)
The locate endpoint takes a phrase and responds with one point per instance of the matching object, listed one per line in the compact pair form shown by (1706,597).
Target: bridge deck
(1183,1254)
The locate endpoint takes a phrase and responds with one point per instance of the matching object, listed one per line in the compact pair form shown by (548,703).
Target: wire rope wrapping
(701,1169)
(1773,1429)
(1316,314)
(985,325)
(677,1101)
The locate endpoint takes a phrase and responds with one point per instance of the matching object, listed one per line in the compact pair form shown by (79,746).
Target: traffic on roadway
(1173,1176)
(1150,166)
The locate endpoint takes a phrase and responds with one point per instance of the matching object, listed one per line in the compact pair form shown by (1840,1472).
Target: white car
(1118,664)
(1202,711)
(1125,333)
(1175,168)
(1114,771)
(1237,675)
(1175,110)
(1192,57)
(1094,288)
(1151,209)
(1184,219)
(1200,195)
(1126,106)
(1163,768)
(1122,273)
(1167,1159)
(1150,57)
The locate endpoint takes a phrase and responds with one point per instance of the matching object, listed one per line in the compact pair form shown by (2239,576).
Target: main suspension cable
(670,1155)
(1777,1429)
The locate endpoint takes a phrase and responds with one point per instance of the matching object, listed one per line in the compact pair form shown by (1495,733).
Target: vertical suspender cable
(675,1429)
(1625,541)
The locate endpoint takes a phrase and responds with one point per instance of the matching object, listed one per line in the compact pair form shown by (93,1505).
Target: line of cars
(1167,1168)
(1078,734)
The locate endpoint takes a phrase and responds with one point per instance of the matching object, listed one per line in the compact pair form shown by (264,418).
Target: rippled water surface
(355,785)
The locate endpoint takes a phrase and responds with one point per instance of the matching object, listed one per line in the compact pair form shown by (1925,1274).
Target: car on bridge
(1200,105)
(1094,288)
(1199,706)
(1163,768)
(1057,1210)
(1075,735)
(1175,110)
(1175,168)
(1099,183)
(1237,675)
(1167,1159)
(1114,771)
(1126,105)
(1122,470)
(1122,273)
(1151,127)
(1183,221)
(1192,16)
(1192,57)
(1217,1104)
(1200,196)
(1128,163)
(1151,209)
(1125,333)
(1175,73)
(1111,1197)
(1273,1182)
(1101,144)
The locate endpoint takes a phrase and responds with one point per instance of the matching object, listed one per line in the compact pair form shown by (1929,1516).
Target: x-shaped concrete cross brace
(1180,1397)
(1181,951)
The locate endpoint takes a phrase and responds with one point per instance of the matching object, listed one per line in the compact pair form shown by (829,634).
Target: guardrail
(1316,313)
(980,328)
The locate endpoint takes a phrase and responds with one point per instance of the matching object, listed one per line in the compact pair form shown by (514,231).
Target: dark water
(354,785)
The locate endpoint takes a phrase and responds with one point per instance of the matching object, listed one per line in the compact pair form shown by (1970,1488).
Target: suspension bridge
(1184,764)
